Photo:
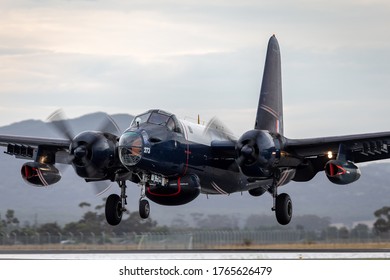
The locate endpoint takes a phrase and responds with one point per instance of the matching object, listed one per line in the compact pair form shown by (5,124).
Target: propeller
(58,121)
(101,187)
(248,151)
(81,148)
(217,130)
(257,153)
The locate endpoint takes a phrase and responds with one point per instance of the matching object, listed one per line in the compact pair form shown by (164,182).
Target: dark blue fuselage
(173,155)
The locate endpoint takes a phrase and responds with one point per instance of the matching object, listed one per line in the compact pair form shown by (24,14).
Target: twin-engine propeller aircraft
(175,160)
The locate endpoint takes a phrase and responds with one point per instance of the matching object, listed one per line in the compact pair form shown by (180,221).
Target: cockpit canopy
(158,117)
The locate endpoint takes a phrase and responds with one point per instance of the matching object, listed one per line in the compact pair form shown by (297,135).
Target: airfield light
(42,159)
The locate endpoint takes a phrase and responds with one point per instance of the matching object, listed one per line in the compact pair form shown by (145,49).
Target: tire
(114,209)
(144,208)
(283,209)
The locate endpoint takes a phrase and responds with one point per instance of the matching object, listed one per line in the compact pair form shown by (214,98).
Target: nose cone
(130,148)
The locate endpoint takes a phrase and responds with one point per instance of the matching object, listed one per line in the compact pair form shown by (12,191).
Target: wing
(56,150)
(316,152)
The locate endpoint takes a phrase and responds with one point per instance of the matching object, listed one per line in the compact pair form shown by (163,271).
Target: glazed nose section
(130,148)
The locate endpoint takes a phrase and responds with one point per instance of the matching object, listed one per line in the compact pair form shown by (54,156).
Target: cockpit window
(140,119)
(171,124)
(157,118)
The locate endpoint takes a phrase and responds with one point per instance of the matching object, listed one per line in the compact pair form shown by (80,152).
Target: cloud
(193,57)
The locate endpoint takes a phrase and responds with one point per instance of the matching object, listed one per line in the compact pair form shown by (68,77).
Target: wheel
(144,208)
(283,209)
(114,209)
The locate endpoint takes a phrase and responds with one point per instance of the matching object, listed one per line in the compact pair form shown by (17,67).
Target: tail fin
(270,109)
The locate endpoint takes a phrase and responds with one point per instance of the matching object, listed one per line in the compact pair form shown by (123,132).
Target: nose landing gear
(144,208)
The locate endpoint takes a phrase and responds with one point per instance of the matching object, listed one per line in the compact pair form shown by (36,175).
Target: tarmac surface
(195,255)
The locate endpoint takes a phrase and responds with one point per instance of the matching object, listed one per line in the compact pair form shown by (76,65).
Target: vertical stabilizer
(270,109)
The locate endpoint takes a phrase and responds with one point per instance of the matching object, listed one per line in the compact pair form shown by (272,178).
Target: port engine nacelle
(342,172)
(40,174)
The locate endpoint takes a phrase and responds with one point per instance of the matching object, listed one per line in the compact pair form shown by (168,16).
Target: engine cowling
(93,154)
(174,192)
(39,174)
(257,153)
(342,172)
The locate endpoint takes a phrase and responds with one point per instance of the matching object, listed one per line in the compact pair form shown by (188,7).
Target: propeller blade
(216,129)
(101,187)
(58,120)
(109,125)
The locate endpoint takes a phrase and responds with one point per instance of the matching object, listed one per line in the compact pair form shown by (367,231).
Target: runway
(198,255)
(199,265)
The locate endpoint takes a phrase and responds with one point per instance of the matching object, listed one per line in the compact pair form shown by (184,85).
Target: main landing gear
(115,205)
(282,205)
(283,209)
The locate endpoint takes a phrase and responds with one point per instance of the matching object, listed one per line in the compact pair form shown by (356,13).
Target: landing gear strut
(282,205)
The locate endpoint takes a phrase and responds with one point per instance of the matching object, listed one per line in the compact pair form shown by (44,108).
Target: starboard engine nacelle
(342,172)
(257,153)
(177,191)
(40,174)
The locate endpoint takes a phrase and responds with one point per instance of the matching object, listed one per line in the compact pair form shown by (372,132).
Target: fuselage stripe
(284,177)
(218,189)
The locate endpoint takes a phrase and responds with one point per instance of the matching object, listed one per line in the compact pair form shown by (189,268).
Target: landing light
(330,154)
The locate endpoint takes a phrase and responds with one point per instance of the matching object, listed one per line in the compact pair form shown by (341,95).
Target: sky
(198,57)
